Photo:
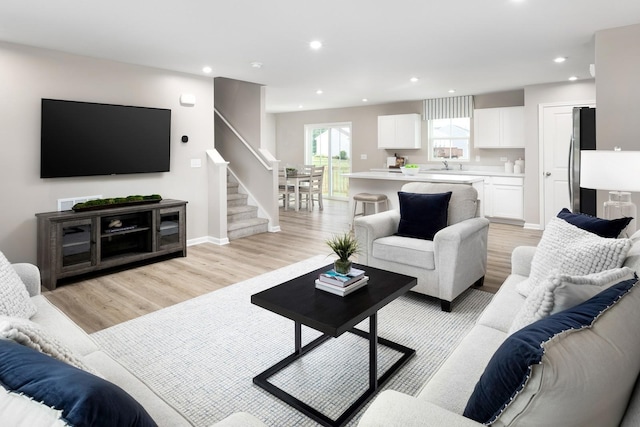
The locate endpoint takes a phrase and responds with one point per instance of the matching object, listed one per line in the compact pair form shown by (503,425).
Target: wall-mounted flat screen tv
(85,139)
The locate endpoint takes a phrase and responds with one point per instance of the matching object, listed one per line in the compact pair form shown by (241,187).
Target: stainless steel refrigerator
(583,138)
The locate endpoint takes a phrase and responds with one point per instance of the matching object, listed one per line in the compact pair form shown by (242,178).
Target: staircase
(242,219)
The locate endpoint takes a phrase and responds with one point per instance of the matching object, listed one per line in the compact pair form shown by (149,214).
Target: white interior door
(556,122)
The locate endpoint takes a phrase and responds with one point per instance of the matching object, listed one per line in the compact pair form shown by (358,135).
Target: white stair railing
(246,144)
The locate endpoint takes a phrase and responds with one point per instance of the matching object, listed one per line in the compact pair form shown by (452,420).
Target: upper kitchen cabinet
(499,127)
(399,131)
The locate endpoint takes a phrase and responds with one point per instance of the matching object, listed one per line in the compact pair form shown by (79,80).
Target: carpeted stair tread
(233,210)
(235,225)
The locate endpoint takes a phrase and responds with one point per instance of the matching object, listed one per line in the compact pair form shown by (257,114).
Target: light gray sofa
(443,398)
(445,267)
(57,325)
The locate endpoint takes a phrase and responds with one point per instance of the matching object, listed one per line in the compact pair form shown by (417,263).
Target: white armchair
(455,260)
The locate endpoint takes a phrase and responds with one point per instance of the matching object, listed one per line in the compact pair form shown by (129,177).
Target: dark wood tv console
(72,243)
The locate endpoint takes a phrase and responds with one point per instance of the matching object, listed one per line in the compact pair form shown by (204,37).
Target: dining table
(295,180)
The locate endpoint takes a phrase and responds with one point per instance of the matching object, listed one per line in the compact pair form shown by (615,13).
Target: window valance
(448,108)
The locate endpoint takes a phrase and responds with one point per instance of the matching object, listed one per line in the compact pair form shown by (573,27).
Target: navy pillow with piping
(507,371)
(85,399)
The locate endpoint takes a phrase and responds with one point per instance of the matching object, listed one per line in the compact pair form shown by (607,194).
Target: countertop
(454,172)
(421,177)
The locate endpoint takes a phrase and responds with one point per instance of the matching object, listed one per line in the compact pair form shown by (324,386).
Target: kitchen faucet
(446,165)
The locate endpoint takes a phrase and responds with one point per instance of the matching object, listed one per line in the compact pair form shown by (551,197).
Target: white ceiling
(370,47)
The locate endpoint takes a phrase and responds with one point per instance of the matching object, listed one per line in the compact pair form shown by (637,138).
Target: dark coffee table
(333,315)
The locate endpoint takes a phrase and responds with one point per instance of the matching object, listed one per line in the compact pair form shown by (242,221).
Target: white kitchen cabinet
(504,197)
(498,127)
(399,131)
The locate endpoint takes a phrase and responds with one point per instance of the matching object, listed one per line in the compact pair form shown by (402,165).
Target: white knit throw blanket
(30,335)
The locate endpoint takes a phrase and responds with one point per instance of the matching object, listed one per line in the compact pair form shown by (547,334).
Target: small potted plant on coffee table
(343,245)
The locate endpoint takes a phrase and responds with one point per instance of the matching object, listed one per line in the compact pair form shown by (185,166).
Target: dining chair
(285,189)
(312,187)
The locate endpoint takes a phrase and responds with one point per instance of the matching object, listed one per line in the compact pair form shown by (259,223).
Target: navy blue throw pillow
(609,228)
(85,400)
(510,367)
(422,215)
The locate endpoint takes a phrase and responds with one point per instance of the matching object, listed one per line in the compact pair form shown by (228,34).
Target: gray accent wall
(240,103)
(618,93)
(618,88)
(512,98)
(28,74)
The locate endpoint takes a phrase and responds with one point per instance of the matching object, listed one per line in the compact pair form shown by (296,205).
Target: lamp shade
(610,170)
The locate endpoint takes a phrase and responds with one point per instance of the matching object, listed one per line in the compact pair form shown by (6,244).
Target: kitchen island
(389,183)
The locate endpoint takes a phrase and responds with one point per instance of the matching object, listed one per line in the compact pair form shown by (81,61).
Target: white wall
(29,74)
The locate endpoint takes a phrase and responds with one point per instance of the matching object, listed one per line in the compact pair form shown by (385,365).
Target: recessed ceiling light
(319,92)
(452,91)
(573,78)
(315,45)
(560,59)
(256,64)
(207,69)
(413,79)
(365,100)
(300,106)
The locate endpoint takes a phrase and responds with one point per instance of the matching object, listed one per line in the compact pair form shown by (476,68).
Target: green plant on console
(116,201)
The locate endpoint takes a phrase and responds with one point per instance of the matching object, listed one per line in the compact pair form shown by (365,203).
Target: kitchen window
(449,127)
(449,139)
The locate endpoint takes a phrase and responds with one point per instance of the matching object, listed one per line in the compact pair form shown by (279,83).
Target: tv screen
(84,139)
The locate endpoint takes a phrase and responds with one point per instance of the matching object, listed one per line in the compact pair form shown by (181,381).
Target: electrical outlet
(503,159)
(363,157)
(477,158)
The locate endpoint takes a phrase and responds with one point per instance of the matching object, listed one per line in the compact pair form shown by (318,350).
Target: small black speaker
(185,138)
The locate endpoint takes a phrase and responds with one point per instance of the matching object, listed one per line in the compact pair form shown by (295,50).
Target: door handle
(547,174)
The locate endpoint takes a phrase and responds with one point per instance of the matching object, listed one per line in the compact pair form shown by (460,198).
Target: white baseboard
(275,229)
(530,226)
(207,239)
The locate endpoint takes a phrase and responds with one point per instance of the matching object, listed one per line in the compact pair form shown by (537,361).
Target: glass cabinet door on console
(169,222)
(77,248)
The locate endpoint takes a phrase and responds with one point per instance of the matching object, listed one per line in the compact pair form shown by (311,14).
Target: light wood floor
(99,302)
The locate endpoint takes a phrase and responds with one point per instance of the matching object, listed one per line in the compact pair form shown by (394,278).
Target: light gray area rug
(201,355)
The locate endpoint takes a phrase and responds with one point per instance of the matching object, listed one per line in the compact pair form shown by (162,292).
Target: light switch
(196,163)
(363,157)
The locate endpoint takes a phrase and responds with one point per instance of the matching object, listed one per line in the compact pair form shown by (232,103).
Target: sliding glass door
(329,145)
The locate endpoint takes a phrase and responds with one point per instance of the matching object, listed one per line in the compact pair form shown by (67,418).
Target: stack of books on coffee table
(341,284)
